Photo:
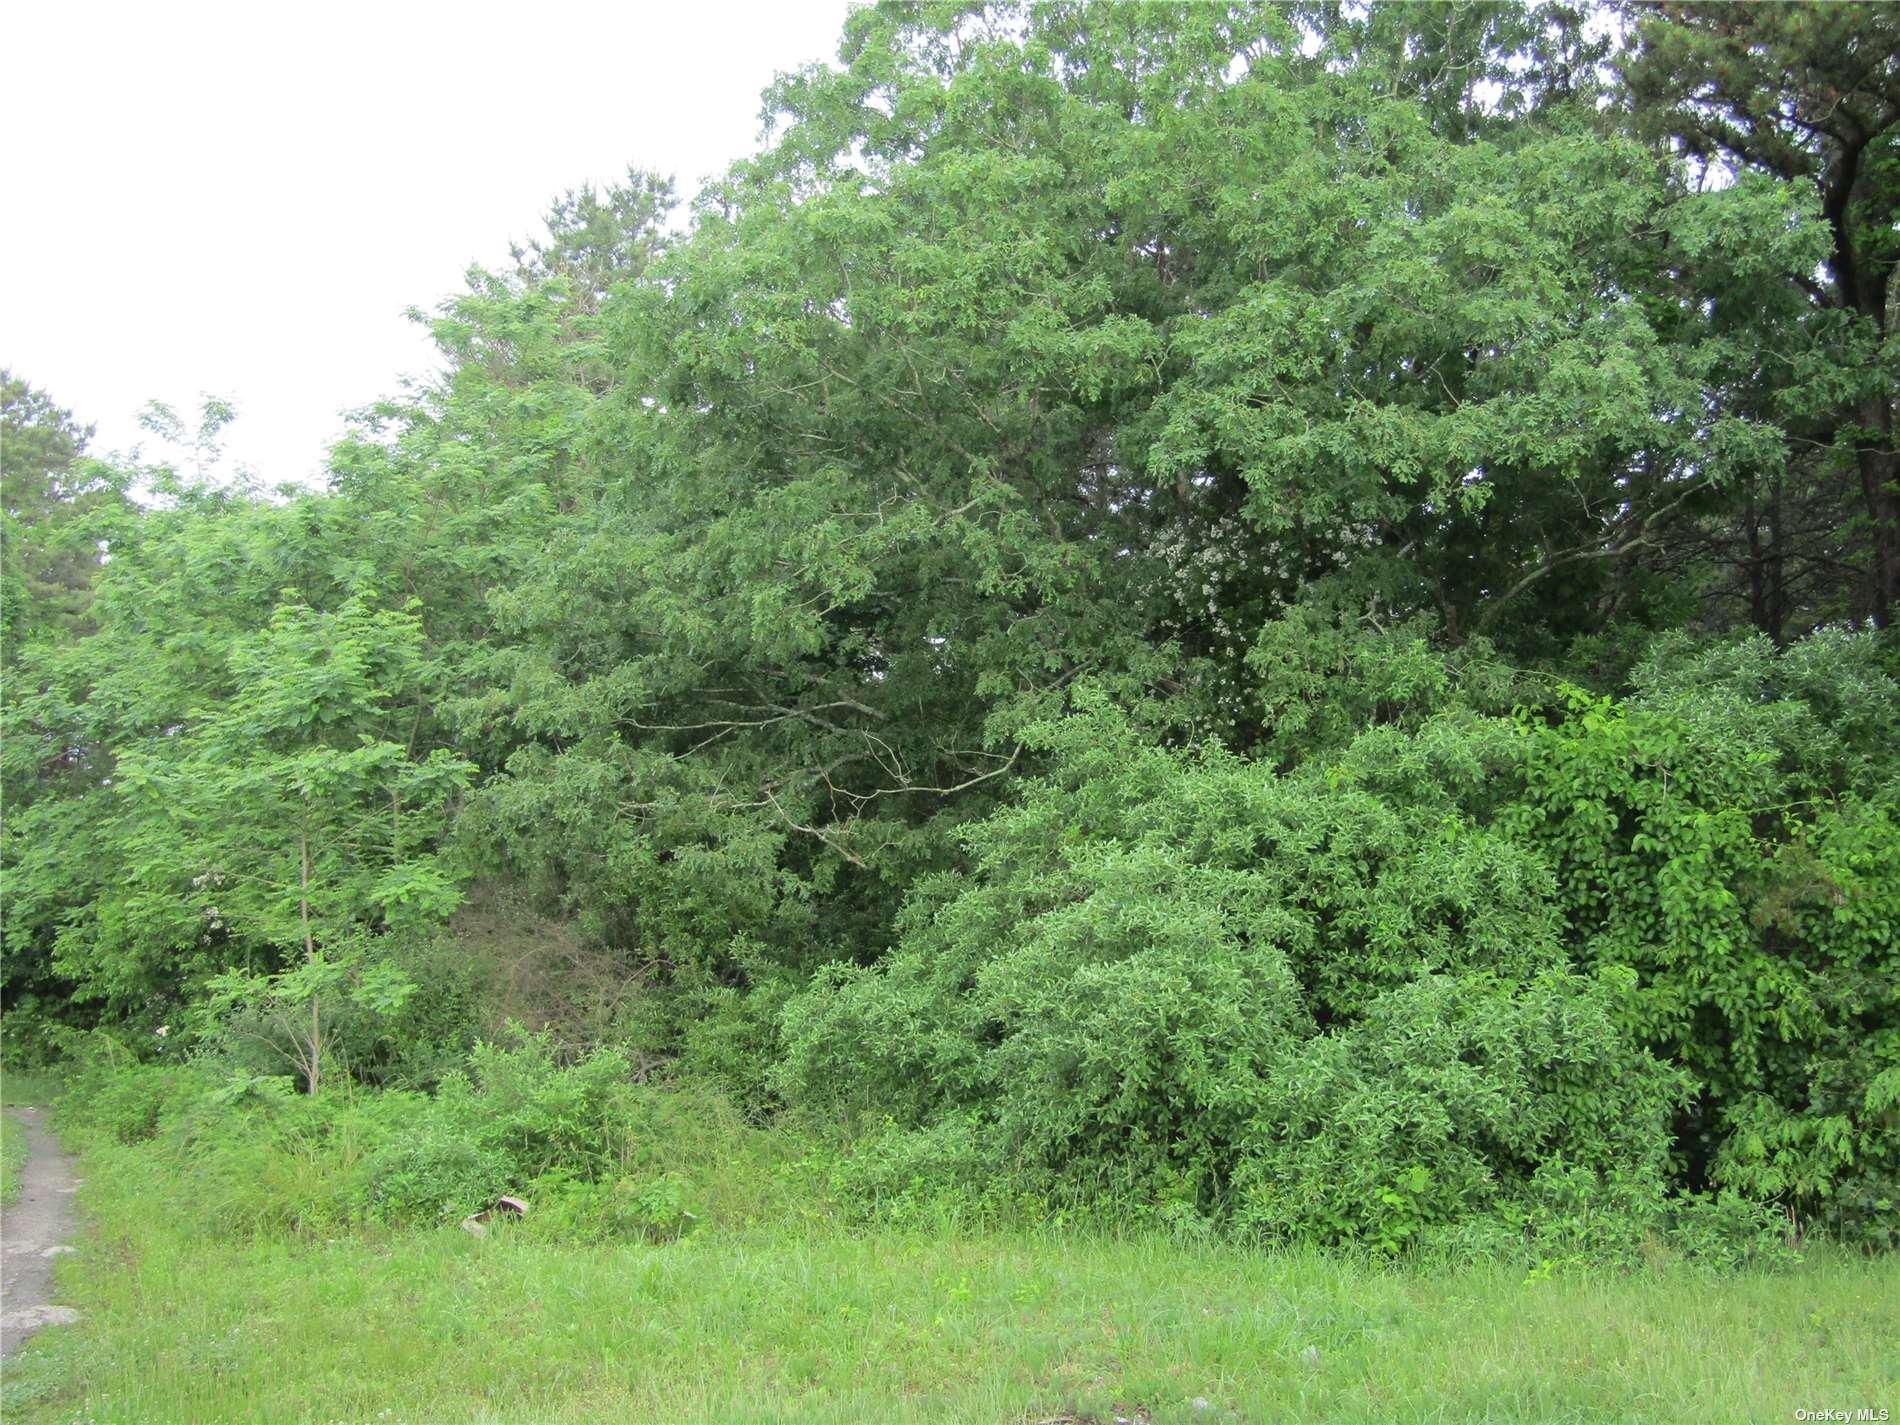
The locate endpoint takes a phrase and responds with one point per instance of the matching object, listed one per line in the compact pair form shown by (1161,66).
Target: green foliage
(126,1104)
(293,826)
(624,1209)
(1139,576)
(1731,835)
(1457,1099)
(596,1154)
(1281,1000)
(12,1157)
(433,1174)
(1803,99)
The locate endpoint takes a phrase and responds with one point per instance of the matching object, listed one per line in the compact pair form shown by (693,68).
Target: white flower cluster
(1200,562)
(214,918)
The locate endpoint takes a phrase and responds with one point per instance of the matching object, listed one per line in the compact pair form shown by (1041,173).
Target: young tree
(299,820)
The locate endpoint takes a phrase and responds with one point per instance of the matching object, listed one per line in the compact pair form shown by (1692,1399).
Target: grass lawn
(819,1325)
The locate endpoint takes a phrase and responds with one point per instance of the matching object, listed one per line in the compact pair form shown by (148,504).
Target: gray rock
(31,1318)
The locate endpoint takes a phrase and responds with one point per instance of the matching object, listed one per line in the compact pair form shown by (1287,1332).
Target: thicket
(1270,617)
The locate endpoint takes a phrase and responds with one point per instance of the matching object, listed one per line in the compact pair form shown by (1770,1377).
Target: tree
(296,821)
(49,551)
(1047,344)
(597,241)
(1807,93)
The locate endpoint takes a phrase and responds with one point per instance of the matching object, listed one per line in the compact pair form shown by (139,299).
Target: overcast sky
(243,199)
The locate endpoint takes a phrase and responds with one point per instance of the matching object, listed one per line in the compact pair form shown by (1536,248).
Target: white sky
(242,199)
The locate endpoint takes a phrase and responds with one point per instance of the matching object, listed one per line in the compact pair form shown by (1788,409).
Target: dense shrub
(1288,1001)
(1554,973)
(1459,1098)
(1569,983)
(1731,835)
(433,1173)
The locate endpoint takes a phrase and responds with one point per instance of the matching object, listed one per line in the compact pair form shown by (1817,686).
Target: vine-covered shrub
(1731,835)
(1457,1099)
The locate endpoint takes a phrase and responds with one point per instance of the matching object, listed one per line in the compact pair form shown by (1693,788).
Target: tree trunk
(1880,487)
(313,1073)
(1776,624)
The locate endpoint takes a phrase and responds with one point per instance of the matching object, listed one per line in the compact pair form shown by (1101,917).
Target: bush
(1181,981)
(513,1116)
(1595,981)
(1727,1230)
(127,1102)
(1730,835)
(655,1209)
(540,1116)
(1456,1099)
(597,1155)
(433,1174)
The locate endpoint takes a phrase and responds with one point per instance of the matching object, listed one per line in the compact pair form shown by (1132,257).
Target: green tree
(1809,94)
(49,549)
(295,821)
(1049,343)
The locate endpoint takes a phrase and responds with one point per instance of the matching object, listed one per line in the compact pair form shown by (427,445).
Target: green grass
(12,1156)
(18,1086)
(820,1325)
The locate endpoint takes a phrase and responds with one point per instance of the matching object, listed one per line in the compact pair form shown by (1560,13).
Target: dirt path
(33,1231)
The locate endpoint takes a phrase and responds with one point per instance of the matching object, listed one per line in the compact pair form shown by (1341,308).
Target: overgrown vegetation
(1269,623)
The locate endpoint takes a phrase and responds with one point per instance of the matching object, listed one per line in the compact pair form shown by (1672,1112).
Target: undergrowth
(12,1157)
